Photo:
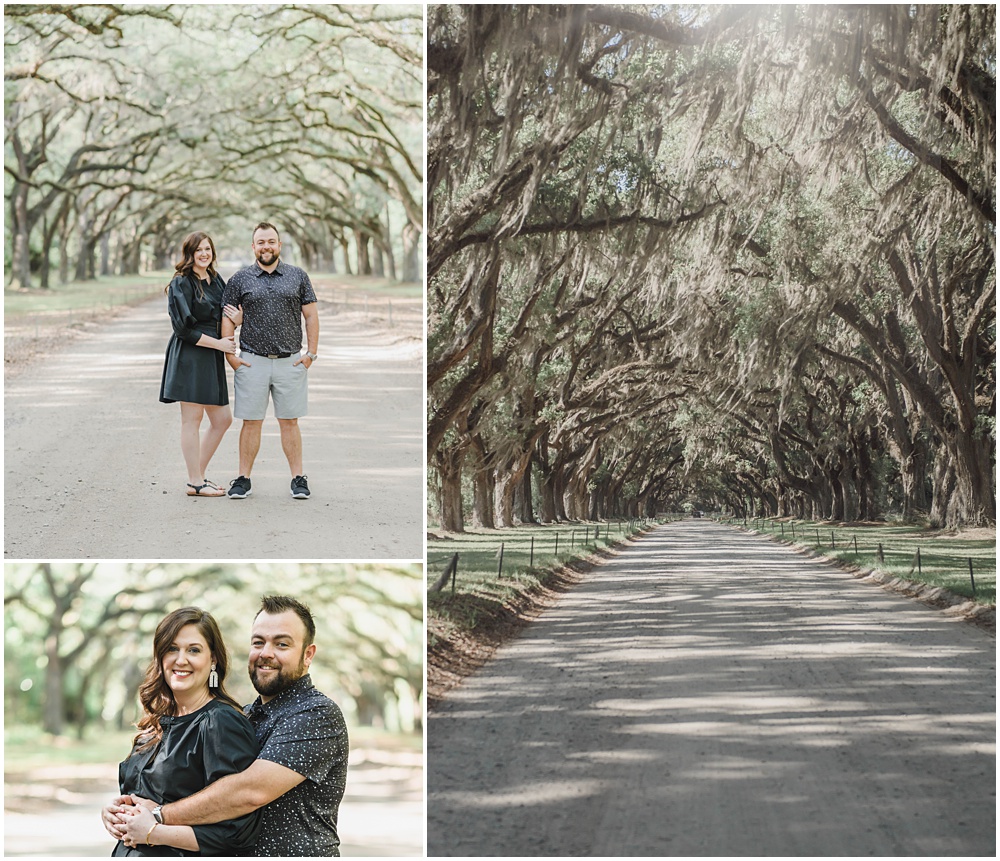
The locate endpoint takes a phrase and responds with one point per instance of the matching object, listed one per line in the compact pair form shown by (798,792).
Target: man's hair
(265,225)
(274,604)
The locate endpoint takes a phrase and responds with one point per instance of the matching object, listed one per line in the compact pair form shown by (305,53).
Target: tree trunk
(484,487)
(131,257)
(558,486)
(105,254)
(361,240)
(377,261)
(20,266)
(390,261)
(85,259)
(973,502)
(54,709)
(505,484)
(411,253)
(575,498)
(63,262)
(524,508)
(942,487)
(449,467)
(345,248)
(48,237)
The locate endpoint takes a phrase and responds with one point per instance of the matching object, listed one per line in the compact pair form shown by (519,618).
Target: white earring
(213,678)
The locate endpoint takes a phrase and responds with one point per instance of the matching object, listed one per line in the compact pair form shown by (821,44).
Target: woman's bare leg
(191,416)
(219,420)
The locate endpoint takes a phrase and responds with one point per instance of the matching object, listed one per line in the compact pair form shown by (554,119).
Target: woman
(191,734)
(194,371)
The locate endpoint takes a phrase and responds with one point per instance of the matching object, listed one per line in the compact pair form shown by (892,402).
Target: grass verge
(892,549)
(504,578)
(370,284)
(99,294)
(27,748)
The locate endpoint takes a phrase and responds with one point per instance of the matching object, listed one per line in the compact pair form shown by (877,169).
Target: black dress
(195,750)
(191,373)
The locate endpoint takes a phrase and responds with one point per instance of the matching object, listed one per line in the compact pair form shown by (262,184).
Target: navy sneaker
(300,488)
(239,488)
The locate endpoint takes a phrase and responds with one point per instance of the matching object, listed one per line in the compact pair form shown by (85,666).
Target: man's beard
(279,680)
(260,254)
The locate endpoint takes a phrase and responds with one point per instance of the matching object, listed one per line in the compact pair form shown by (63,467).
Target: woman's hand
(227,345)
(113,818)
(138,822)
(234,313)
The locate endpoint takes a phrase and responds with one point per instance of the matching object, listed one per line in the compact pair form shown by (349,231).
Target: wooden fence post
(452,569)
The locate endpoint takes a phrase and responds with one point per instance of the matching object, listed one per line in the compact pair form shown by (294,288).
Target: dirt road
(93,466)
(708,692)
(55,812)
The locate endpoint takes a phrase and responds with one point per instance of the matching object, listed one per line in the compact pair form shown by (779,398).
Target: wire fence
(40,323)
(524,550)
(893,550)
(395,312)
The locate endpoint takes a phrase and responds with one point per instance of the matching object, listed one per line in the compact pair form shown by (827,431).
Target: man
(273,296)
(301,772)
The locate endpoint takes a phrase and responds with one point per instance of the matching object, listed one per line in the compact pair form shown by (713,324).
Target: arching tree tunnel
(738,255)
(129,126)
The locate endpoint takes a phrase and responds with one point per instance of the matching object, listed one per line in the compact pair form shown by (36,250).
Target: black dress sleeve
(180,306)
(229,746)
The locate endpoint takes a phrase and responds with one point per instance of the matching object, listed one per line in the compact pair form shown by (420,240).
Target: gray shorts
(285,382)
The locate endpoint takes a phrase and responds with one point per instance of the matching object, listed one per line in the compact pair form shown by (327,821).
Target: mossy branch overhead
(744,241)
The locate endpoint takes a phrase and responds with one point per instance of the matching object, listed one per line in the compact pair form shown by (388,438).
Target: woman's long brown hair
(154,693)
(185,266)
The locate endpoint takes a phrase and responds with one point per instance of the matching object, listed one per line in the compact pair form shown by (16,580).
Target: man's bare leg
(249,444)
(291,444)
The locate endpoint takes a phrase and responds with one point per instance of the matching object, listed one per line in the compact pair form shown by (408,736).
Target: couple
(268,783)
(267,300)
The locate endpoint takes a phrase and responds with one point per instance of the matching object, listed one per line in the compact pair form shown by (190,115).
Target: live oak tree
(759,239)
(128,126)
(84,631)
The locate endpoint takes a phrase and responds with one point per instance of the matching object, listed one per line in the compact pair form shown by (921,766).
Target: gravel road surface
(93,466)
(55,811)
(708,692)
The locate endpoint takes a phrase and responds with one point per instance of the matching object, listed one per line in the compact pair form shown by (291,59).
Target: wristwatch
(312,356)
(158,814)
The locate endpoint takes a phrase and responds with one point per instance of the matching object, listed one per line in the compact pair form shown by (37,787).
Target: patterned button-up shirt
(272,307)
(302,729)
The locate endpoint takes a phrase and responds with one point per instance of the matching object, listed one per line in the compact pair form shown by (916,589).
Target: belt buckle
(274,356)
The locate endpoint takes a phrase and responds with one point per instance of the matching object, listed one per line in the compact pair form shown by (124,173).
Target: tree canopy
(739,254)
(78,636)
(128,126)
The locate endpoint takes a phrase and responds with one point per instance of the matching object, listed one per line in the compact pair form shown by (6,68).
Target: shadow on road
(93,467)
(55,812)
(709,693)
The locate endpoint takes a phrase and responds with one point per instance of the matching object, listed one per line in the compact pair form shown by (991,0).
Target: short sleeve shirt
(304,730)
(272,307)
